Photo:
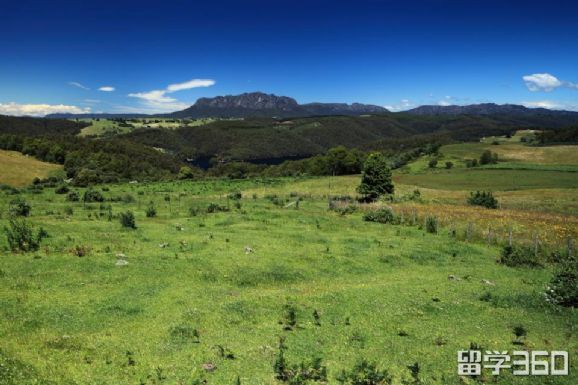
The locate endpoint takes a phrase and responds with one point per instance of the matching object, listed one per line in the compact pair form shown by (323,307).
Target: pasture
(202,291)
(19,170)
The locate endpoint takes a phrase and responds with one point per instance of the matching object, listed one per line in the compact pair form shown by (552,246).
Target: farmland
(201,294)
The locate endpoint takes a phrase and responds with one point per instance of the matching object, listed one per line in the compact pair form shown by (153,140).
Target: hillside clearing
(19,170)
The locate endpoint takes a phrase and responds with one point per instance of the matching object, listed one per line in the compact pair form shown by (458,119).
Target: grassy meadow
(18,170)
(103,127)
(205,296)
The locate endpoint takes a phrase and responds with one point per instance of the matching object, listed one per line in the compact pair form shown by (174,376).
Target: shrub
(73,196)
(488,157)
(127,198)
(19,208)
(151,211)
(62,189)
(21,237)
(449,165)
(484,199)
(471,163)
(432,163)
(563,287)
(91,195)
(235,195)
(518,256)
(383,215)
(364,373)
(214,208)
(300,374)
(431,225)
(68,211)
(127,220)
(80,250)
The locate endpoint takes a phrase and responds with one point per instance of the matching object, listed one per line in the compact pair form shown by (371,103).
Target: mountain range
(262,105)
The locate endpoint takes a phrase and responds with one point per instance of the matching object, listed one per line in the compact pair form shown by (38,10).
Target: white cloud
(446,101)
(78,85)
(552,105)
(404,104)
(542,82)
(195,83)
(158,101)
(106,89)
(16,109)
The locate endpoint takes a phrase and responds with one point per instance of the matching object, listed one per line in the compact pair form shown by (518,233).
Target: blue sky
(159,56)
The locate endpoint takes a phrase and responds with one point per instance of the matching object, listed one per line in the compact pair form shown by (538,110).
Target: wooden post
(510,236)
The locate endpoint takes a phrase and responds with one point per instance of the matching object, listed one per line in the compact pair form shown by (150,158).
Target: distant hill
(38,126)
(488,109)
(258,104)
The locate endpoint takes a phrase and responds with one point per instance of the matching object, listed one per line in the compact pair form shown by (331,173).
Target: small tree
(376,178)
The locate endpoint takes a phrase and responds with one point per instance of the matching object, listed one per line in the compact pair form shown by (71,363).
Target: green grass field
(102,127)
(198,283)
(71,320)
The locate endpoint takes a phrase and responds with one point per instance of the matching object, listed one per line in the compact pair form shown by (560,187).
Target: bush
(127,220)
(73,196)
(484,199)
(68,211)
(91,195)
(518,256)
(19,208)
(488,157)
(215,208)
(449,165)
(127,198)
(235,195)
(21,237)
(431,225)
(471,163)
(563,287)
(151,211)
(383,215)
(432,163)
(364,373)
(62,189)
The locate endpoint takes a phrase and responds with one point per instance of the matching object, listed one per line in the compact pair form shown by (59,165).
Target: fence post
(510,236)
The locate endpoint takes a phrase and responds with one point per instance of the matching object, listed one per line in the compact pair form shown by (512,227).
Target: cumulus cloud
(106,89)
(552,105)
(158,101)
(542,82)
(402,105)
(78,85)
(16,109)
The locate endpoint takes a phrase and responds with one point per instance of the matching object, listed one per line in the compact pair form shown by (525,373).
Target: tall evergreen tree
(376,177)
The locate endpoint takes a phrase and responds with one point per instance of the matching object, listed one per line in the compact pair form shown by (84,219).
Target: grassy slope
(19,170)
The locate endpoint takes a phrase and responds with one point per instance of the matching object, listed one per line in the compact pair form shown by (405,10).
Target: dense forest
(330,145)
